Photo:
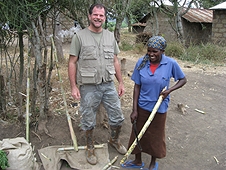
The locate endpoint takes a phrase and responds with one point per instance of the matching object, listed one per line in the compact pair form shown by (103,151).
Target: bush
(205,53)
(140,48)
(111,26)
(3,160)
(175,49)
(126,46)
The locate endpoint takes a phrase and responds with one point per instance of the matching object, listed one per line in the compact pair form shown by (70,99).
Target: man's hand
(75,93)
(121,89)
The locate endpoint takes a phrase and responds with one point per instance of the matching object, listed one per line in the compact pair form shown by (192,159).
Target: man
(93,63)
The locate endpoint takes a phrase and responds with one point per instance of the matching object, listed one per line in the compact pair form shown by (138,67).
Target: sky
(167,2)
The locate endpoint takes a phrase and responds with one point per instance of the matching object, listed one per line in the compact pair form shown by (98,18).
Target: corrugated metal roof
(220,6)
(199,15)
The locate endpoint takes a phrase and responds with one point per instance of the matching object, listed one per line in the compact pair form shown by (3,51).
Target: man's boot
(90,155)
(114,139)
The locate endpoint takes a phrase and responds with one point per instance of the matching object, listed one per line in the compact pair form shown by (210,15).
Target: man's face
(97,18)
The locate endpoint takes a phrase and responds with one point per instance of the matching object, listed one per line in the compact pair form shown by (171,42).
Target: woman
(151,74)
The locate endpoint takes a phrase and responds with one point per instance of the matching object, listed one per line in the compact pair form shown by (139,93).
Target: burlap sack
(53,159)
(20,155)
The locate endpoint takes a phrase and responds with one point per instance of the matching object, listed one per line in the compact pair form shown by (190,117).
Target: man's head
(97,6)
(97,16)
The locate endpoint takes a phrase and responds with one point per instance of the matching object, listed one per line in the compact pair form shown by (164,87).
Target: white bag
(20,154)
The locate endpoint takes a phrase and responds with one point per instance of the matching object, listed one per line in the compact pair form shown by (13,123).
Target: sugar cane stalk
(110,163)
(146,125)
(64,99)
(80,147)
(28,99)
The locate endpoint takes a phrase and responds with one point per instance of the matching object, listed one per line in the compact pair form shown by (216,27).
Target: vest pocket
(110,72)
(108,52)
(88,75)
(89,53)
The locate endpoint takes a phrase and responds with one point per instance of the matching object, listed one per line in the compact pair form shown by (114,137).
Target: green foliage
(210,3)
(205,53)
(209,53)
(138,9)
(3,160)
(174,49)
(124,24)
(140,48)
(111,26)
(126,46)
(20,13)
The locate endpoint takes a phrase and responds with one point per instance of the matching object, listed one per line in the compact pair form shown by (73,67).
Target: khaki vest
(96,61)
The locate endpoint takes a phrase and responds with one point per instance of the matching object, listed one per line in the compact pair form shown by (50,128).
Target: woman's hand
(133,116)
(165,93)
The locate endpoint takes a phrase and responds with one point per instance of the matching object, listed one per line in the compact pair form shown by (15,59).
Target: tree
(28,15)
(121,8)
(137,10)
(175,15)
(27,19)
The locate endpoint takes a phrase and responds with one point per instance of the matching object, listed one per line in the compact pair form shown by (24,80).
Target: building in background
(219,24)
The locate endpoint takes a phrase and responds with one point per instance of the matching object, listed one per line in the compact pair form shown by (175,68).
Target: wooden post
(123,66)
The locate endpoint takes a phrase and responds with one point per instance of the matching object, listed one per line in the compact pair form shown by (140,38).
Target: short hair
(97,5)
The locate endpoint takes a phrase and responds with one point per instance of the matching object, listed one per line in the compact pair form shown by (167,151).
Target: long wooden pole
(110,163)
(65,103)
(146,125)
(28,99)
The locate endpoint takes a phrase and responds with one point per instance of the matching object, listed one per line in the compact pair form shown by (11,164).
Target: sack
(20,154)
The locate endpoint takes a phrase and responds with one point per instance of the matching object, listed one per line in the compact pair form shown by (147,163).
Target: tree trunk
(129,22)
(41,79)
(34,90)
(180,30)
(2,97)
(58,39)
(117,30)
(156,32)
(20,88)
(121,8)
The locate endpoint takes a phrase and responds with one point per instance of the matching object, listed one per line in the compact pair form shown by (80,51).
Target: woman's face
(155,55)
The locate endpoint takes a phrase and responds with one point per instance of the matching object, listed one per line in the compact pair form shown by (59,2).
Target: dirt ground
(195,141)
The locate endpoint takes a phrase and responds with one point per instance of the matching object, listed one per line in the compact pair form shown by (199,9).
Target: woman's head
(156,46)
(157,42)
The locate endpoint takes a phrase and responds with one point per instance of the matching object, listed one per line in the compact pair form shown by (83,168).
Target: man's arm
(118,75)
(72,70)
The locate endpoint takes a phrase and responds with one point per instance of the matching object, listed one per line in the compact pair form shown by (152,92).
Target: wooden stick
(37,135)
(200,111)
(216,159)
(80,147)
(65,103)
(28,99)
(146,125)
(110,163)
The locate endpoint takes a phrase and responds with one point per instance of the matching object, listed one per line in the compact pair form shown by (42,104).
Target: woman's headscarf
(157,42)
